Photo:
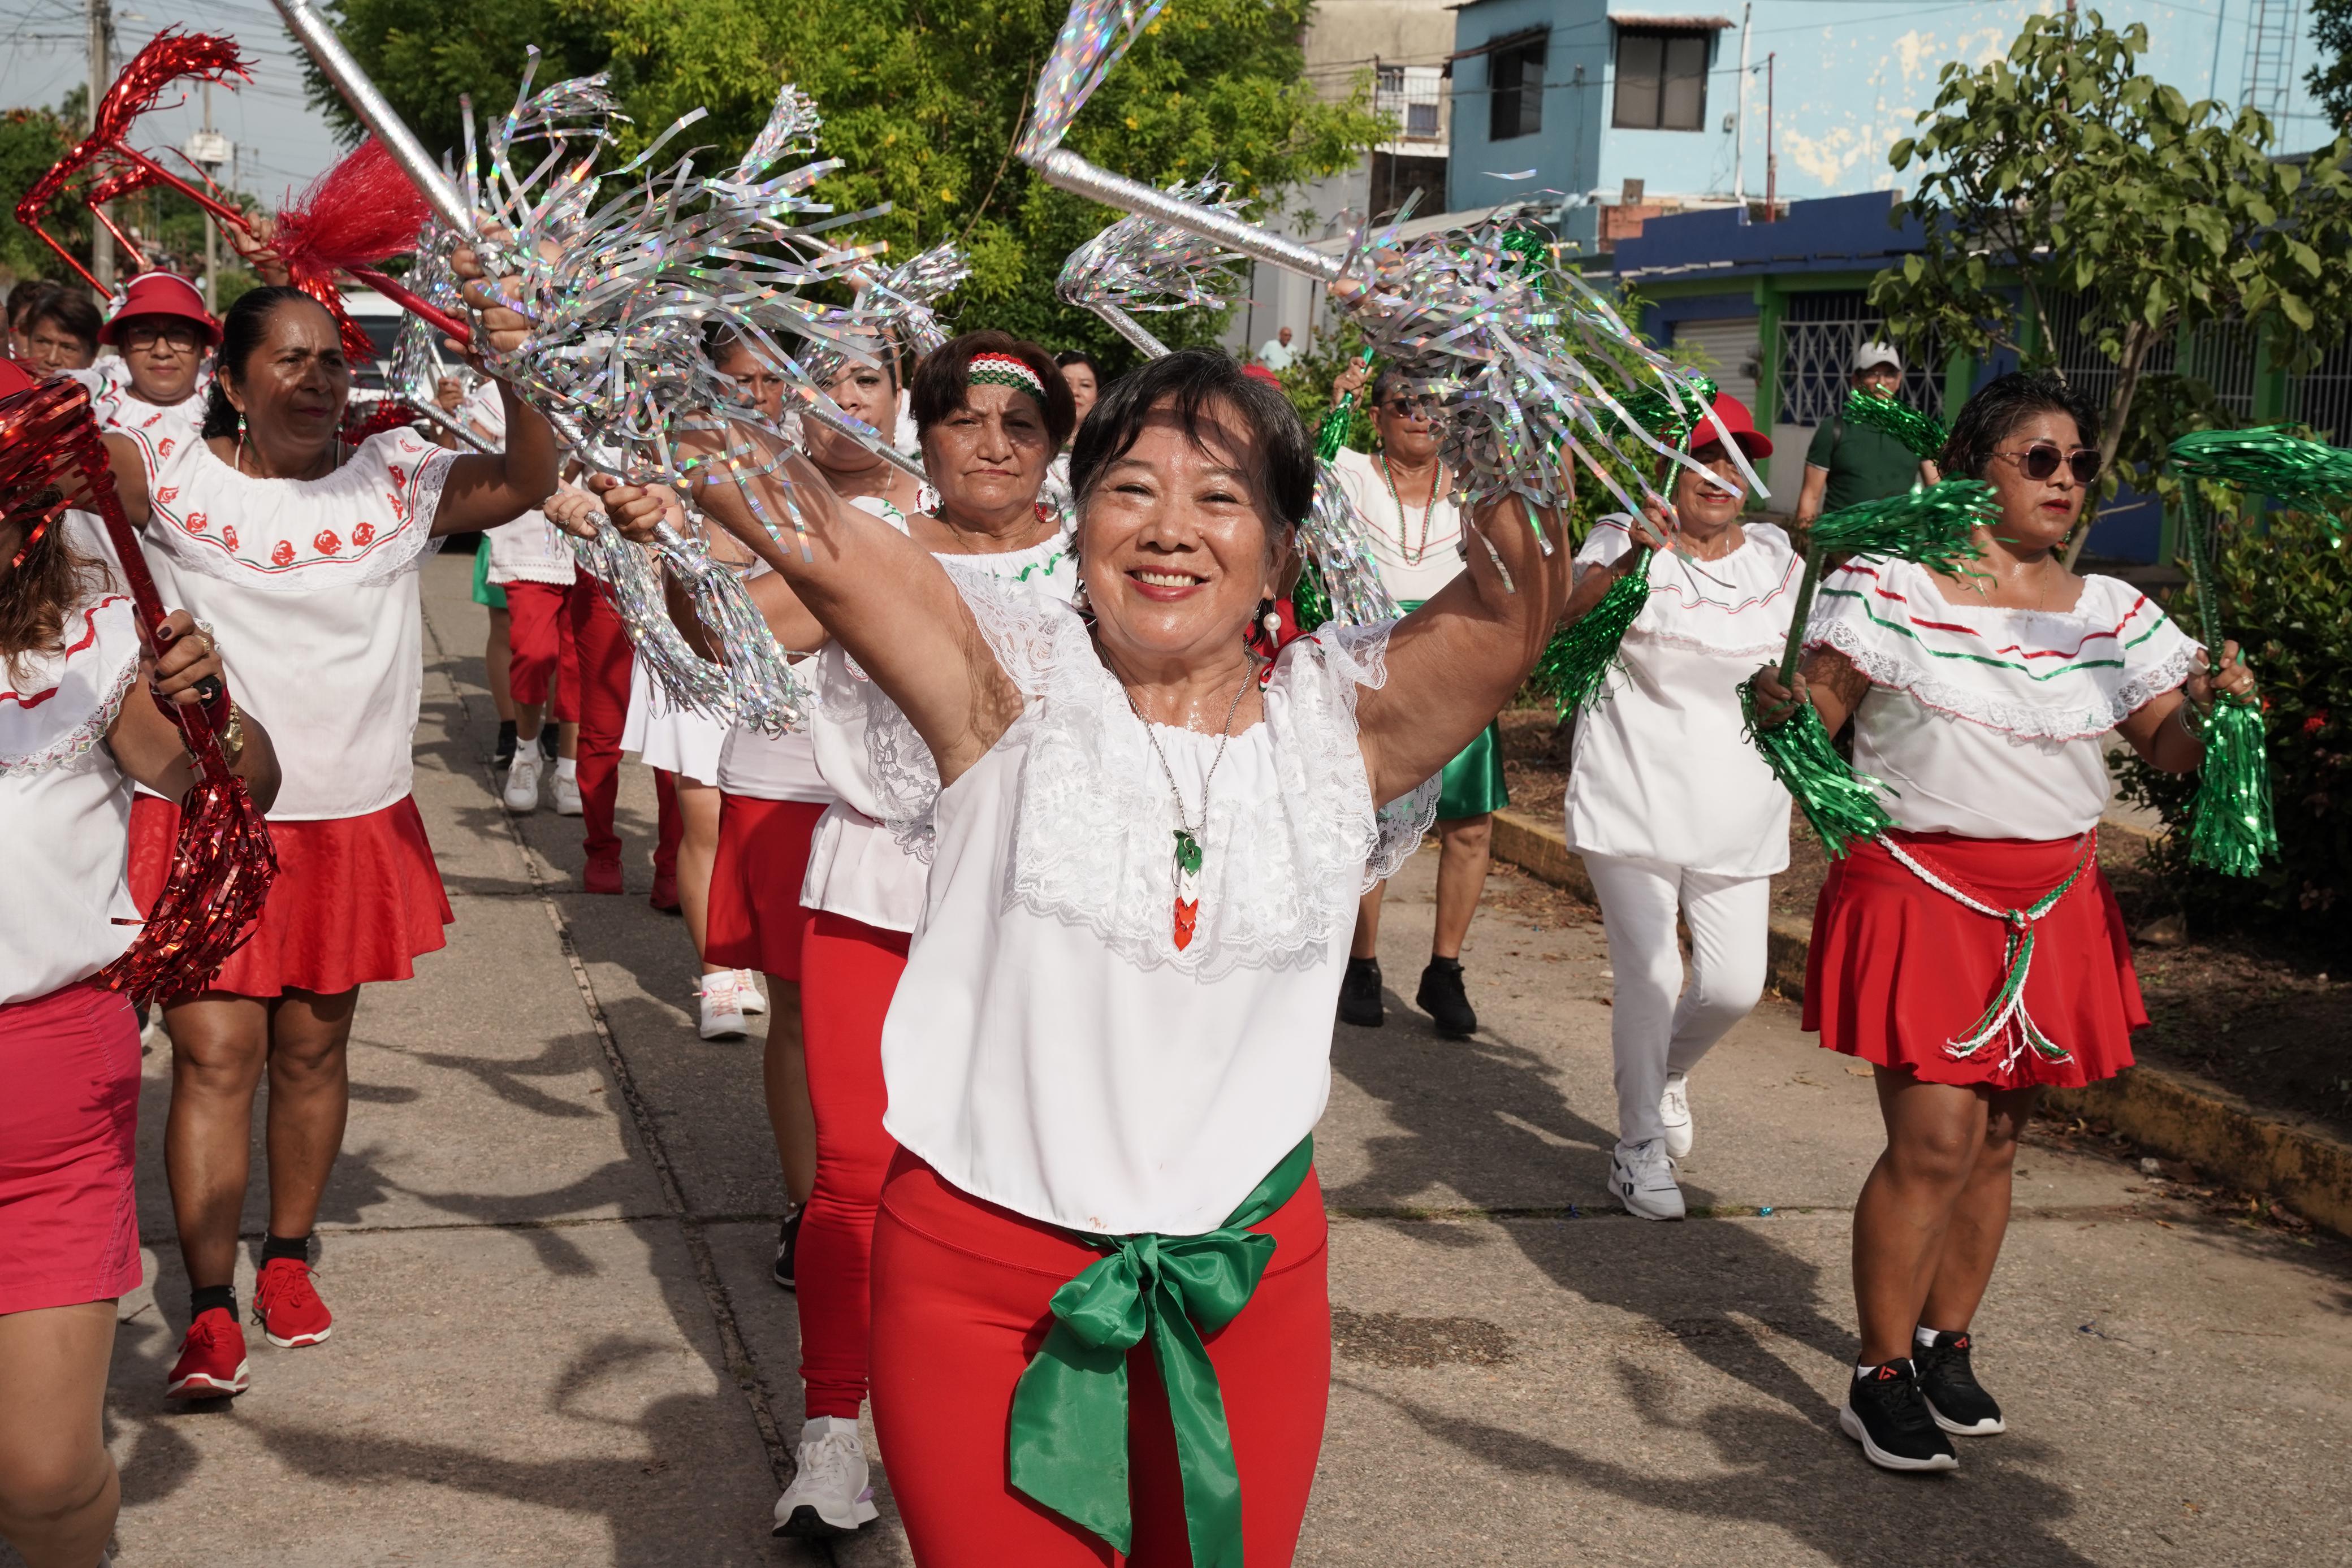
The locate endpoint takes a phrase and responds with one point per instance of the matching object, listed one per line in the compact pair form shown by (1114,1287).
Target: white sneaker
(567,795)
(722,1006)
(521,795)
(830,1495)
(1673,1109)
(1642,1178)
(747,992)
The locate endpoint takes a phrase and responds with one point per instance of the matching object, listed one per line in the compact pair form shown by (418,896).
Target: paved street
(547,1243)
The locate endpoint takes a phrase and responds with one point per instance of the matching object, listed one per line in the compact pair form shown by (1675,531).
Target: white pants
(1651,1032)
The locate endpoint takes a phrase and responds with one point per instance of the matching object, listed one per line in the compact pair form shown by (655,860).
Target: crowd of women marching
(1042,1087)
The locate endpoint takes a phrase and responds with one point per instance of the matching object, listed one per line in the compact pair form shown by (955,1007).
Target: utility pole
(1739,140)
(102,23)
(208,150)
(1771,153)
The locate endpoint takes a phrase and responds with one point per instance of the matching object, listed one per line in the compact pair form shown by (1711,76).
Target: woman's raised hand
(638,510)
(500,327)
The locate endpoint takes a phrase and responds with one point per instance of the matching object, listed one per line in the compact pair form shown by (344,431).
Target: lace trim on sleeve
(60,724)
(1358,655)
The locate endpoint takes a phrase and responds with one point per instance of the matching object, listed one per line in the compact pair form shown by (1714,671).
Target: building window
(1661,80)
(1514,106)
(1395,176)
(1819,333)
(1409,95)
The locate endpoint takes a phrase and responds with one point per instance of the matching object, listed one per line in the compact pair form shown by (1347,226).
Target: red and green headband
(1005,370)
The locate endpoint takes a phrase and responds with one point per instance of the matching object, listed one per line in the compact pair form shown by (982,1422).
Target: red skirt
(356,899)
(68,1146)
(1899,969)
(756,920)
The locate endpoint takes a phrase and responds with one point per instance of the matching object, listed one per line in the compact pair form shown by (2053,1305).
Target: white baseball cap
(1875,354)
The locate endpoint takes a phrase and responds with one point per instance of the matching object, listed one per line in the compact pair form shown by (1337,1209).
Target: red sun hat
(1737,421)
(162,294)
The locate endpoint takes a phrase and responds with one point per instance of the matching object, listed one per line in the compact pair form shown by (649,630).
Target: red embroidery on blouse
(364,535)
(168,494)
(196,522)
(229,535)
(399,478)
(283,555)
(327,543)
(164,447)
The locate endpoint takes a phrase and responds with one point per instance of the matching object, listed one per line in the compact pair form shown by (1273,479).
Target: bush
(2286,592)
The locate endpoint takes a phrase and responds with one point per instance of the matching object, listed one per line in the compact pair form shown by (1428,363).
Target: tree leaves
(922,101)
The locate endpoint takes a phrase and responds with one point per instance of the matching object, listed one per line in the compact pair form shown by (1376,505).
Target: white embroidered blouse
(1051,1048)
(66,806)
(310,588)
(1991,722)
(1662,769)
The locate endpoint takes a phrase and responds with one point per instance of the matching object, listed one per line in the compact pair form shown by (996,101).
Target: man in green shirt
(1851,463)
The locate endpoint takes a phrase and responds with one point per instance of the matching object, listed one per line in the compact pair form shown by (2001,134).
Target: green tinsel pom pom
(2308,475)
(1842,807)
(1666,421)
(1933,526)
(2231,829)
(1921,433)
(1579,658)
(1310,601)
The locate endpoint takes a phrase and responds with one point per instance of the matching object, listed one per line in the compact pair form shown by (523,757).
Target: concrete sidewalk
(547,1244)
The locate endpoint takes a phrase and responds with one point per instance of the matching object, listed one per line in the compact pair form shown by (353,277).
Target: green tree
(2062,171)
(2331,81)
(922,101)
(31,141)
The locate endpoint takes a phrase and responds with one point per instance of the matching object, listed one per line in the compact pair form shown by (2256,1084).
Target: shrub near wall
(2286,598)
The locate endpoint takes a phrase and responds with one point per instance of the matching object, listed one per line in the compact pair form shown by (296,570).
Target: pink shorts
(69,1149)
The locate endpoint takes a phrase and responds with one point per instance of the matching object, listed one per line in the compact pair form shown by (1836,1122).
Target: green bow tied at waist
(1068,1435)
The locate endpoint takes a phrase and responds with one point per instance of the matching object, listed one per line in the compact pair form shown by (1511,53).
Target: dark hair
(243,327)
(943,382)
(1998,407)
(28,292)
(1192,382)
(71,310)
(1069,357)
(1386,380)
(44,586)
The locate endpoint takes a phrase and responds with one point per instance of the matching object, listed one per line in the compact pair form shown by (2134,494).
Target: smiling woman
(1145,847)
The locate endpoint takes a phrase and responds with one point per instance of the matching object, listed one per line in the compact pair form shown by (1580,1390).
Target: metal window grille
(1818,334)
(2322,399)
(2221,354)
(1410,96)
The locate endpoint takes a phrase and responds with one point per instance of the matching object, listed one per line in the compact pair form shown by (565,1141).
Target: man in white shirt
(1276,354)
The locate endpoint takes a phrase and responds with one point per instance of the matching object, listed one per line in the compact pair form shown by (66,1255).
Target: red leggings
(960,1288)
(848,971)
(604,653)
(544,650)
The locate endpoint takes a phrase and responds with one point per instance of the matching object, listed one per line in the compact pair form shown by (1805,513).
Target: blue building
(1593,105)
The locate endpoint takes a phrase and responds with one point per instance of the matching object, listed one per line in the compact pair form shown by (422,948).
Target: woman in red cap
(163,331)
(1674,811)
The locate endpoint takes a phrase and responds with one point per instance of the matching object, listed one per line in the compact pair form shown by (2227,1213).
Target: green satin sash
(1068,1435)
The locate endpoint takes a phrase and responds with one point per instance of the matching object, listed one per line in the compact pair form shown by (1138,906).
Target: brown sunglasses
(2041,461)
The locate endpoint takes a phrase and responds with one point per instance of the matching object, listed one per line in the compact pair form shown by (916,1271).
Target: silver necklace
(1188,855)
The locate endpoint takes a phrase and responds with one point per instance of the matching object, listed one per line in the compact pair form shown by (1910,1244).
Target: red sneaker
(285,1306)
(212,1359)
(600,875)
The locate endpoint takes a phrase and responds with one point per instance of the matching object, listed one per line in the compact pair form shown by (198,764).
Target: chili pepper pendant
(1188,887)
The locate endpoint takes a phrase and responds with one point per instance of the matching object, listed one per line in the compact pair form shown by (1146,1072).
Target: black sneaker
(788,1246)
(503,758)
(547,740)
(1442,998)
(1360,995)
(1954,1396)
(1886,1414)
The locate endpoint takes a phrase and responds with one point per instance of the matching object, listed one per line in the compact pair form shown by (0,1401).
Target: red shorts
(756,920)
(68,1146)
(356,899)
(1899,969)
(960,1294)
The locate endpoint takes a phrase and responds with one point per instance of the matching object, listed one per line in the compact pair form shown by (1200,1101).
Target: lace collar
(59,706)
(1093,821)
(2037,674)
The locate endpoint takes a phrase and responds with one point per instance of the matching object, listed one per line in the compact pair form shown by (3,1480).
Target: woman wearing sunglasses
(1401,492)
(1974,954)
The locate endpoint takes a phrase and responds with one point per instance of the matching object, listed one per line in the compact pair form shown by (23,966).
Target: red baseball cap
(1738,422)
(1262,373)
(162,294)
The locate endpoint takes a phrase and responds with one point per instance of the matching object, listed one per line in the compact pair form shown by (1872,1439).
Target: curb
(2170,1112)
